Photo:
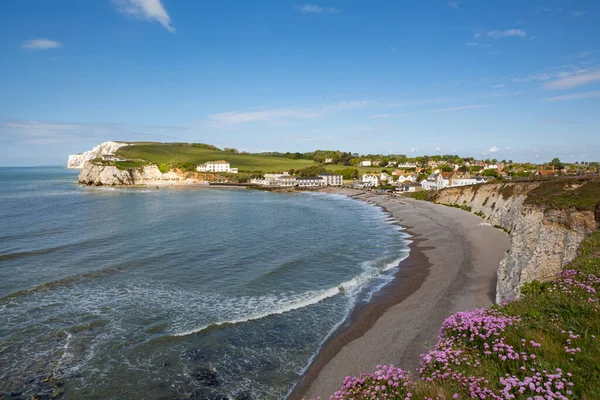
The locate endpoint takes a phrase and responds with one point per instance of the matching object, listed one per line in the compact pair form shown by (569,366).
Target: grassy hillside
(544,346)
(162,153)
(174,154)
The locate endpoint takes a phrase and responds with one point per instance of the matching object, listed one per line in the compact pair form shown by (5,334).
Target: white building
(407,178)
(216,166)
(407,165)
(328,160)
(309,181)
(384,177)
(331,179)
(365,163)
(370,180)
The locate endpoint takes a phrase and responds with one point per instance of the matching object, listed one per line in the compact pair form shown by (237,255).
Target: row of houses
(435,181)
(287,180)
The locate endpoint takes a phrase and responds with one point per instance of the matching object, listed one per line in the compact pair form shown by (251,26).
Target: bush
(164,168)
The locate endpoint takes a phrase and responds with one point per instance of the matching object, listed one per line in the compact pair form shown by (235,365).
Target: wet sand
(452,266)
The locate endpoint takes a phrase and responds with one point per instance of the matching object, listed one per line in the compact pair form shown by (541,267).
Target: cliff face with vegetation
(94,174)
(546,222)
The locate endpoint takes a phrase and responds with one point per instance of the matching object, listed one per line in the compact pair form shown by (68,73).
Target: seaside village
(404,177)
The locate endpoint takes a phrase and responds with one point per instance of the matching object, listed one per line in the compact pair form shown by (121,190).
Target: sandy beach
(452,267)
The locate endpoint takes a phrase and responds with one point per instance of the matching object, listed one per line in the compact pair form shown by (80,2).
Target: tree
(310,171)
(490,172)
(446,168)
(556,163)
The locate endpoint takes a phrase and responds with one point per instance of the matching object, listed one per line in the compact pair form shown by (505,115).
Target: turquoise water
(175,293)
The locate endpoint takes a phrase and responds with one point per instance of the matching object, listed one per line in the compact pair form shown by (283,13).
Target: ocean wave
(70,280)
(350,288)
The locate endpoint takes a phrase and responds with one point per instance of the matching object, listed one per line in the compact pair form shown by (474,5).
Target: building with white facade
(370,180)
(331,179)
(310,181)
(365,163)
(216,166)
(407,165)
(407,178)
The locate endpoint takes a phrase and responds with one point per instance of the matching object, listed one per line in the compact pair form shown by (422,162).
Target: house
(365,163)
(407,178)
(283,179)
(309,181)
(370,180)
(446,178)
(546,173)
(328,160)
(331,179)
(216,166)
(392,163)
(430,183)
(407,165)
(410,187)
(112,157)
(384,177)
(463,180)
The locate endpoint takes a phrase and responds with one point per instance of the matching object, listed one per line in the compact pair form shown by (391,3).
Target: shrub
(164,168)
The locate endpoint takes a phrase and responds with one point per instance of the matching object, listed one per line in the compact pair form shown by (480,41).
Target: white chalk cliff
(76,161)
(542,240)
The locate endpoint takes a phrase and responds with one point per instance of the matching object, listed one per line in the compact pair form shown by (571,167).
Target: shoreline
(442,275)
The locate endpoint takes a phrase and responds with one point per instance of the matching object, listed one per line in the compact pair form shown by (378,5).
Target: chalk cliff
(107,175)
(542,238)
(76,161)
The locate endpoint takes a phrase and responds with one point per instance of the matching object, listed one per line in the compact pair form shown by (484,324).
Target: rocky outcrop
(542,239)
(93,174)
(76,161)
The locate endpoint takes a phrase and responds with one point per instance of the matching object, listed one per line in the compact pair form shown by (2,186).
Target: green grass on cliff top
(581,194)
(179,153)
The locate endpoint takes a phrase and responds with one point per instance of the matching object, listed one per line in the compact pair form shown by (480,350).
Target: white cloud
(561,71)
(496,86)
(578,13)
(438,148)
(507,33)
(148,10)
(585,54)
(477,44)
(460,108)
(576,96)
(312,8)
(265,115)
(412,150)
(453,4)
(286,113)
(41,44)
(569,82)
(493,149)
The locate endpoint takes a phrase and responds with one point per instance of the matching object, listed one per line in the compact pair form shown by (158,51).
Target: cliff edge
(546,222)
(76,161)
(93,174)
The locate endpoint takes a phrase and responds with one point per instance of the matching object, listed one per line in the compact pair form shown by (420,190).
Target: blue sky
(500,79)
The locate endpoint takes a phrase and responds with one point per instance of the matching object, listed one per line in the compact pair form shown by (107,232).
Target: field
(177,154)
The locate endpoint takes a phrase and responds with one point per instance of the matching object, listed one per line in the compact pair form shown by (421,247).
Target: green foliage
(186,167)
(490,172)
(426,195)
(125,165)
(480,214)
(349,173)
(310,171)
(581,194)
(446,168)
(164,168)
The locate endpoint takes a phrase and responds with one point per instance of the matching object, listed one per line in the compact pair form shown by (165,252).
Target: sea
(109,293)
